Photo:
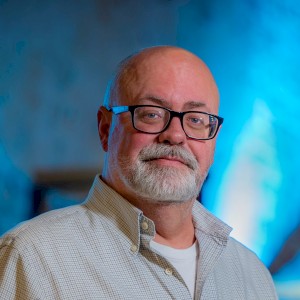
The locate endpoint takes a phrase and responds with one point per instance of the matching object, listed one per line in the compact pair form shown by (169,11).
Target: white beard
(164,184)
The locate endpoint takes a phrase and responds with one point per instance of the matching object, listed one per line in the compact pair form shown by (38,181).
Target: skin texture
(170,77)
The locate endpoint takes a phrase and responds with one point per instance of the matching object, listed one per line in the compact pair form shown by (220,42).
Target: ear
(104,122)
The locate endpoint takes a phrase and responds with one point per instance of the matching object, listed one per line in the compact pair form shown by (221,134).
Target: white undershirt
(184,261)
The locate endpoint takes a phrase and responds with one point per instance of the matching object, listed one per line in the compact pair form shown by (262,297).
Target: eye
(195,120)
(149,114)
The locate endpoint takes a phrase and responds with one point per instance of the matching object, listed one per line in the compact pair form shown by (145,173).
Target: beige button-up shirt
(100,250)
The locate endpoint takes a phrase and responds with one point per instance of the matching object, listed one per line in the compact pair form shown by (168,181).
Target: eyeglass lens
(155,119)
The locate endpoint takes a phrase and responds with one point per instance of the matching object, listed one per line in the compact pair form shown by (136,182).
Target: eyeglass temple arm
(117,109)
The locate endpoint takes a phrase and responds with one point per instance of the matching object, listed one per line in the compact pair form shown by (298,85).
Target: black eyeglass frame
(131,108)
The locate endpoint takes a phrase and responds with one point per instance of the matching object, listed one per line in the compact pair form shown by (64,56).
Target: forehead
(172,78)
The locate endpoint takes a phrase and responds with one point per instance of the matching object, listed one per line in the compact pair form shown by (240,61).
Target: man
(141,234)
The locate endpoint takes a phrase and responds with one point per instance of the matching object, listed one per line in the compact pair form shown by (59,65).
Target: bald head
(157,61)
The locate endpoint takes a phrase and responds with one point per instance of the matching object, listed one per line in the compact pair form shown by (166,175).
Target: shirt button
(168,271)
(145,225)
(133,248)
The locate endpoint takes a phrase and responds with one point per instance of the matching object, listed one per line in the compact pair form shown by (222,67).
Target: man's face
(168,166)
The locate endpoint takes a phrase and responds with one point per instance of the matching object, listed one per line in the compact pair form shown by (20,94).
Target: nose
(174,134)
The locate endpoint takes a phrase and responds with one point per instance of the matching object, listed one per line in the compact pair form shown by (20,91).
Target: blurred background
(56,58)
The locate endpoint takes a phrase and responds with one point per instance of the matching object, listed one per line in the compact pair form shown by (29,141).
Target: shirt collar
(206,223)
(120,213)
(131,222)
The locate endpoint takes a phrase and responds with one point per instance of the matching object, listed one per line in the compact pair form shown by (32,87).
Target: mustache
(157,151)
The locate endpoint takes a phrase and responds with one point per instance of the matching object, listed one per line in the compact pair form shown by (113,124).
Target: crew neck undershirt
(184,261)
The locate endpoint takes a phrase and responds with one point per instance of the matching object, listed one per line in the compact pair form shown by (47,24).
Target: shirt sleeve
(17,277)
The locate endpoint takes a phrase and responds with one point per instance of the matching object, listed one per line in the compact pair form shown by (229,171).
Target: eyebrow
(194,104)
(188,105)
(156,100)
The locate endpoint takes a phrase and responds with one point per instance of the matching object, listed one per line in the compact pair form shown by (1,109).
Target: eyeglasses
(153,119)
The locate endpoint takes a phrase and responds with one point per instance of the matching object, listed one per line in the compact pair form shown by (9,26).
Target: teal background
(57,56)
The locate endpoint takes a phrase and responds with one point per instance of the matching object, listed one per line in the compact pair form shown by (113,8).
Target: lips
(173,159)
(170,158)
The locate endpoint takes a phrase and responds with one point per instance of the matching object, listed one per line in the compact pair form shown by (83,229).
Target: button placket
(133,248)
(169,271)
(144,225)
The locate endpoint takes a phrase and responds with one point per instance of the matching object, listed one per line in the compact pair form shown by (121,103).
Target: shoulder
(44,228)
(243,257)
(239,274)
(248,266)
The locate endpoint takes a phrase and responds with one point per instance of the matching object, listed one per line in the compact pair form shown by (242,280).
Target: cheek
(204,153)
(137,141)
(126,142)
(118,135)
